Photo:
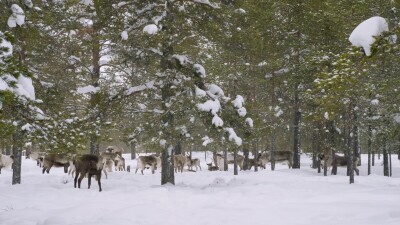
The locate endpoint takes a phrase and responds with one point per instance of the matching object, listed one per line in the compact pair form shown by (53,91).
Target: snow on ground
(279,197)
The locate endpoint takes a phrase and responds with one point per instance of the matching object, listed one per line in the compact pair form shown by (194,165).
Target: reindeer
(179,162)
(109,158)
(72,168)
(151,160)
(119,163)
(114,149)
(57,160)
(90,165)
(6,161)
(262,160)
(211,167)
(220,160)
(38,156)
(280,156)
(192,162)
(336,160)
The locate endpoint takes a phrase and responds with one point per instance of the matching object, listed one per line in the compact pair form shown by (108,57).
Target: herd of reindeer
(90,165)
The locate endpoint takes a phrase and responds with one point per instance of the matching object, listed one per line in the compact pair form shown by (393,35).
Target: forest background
(111,72)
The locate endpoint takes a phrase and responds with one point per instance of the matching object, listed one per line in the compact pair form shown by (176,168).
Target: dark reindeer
(211,167)
(90,165)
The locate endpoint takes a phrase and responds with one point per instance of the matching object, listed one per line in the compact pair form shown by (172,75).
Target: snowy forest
(178,76)
(243,109)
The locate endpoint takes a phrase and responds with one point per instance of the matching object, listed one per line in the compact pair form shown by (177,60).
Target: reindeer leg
(76,178)
(105,173)
(98,181)
(89,180)
(81,178)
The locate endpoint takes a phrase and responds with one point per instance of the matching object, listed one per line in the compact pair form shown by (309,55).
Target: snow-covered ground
(282,196)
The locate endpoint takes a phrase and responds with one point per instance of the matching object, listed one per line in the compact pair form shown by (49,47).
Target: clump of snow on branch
(212,106)
(27,127)
(28,3)
(124,35)
(326,115)
(240,11)
(147,85)
(249,121)
(200,71)
(375,102)
(233,137)
(206,140)
(5,46)
(242,112)
(278,111)
(87,2)
(238,104)
(207,2)
(396,117)
(199,93)
(215,89)
(183,59)
(150,29)
(24,87)
(88,89)
(217,121)
(364,34)
(17,17)
(163,142)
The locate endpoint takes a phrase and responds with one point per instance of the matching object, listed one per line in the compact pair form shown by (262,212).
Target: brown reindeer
(6,161)
(90,165)
(150,160)
(280,156)
(220,160)
(336,160)
(262,160)
(57,160)
(119,163)
(192,163)
(179,162)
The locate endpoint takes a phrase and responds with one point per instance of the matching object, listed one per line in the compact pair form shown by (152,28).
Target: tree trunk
(296,129)
(17,152)
(385,158)
(133,150)
(390,163)
(94,145)
(334,165)
(235,166)
(246,159)
(373,158)
(369,145)
(255,153)
(225,160)
(178,148)
(167,168)
(314,150)
(352,132)
(215,158)
(273,149)
(8,149)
